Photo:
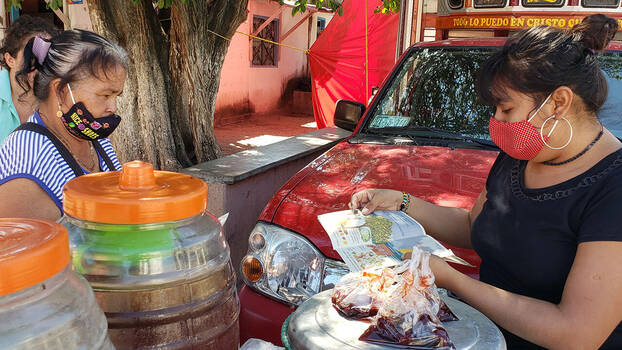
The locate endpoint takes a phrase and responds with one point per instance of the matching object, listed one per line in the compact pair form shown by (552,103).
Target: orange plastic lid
(31,251)
(135,195)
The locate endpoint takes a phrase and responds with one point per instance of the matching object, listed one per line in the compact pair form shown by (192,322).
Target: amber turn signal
(252,269)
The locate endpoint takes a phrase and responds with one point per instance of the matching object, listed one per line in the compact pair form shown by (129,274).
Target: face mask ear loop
(71,94)
(539,108)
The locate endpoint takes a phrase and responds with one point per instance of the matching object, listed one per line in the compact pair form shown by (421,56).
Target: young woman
(17,105)
(548,224)
(78,77)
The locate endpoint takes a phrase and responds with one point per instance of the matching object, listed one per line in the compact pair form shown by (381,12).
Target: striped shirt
(30,155)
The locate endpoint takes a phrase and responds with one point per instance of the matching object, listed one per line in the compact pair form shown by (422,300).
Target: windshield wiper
(414,132)
(393,131)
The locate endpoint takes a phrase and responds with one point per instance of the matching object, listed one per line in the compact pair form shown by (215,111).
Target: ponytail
(596,31)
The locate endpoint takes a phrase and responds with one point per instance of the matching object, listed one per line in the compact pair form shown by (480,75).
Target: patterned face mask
(520,140)
(81,123)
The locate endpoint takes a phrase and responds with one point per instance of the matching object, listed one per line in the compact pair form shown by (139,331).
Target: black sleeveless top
(528,238)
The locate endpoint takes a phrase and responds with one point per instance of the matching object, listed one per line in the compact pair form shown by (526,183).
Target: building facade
(258,76)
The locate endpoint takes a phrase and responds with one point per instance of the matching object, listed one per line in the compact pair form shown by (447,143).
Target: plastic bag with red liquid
(359,294)
(403,302)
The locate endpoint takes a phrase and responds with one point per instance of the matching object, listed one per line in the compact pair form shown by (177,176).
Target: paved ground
(262,129)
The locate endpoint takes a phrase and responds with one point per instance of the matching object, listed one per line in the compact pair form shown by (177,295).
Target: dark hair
(20,30)
(73,55)
(596,31)
(538,60)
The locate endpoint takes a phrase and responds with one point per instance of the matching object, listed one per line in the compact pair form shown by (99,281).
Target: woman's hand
(376,199)
(443,273)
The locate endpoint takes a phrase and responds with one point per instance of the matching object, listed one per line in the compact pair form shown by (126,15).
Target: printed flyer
(383,238)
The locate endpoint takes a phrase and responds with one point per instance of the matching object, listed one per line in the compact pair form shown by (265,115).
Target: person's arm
(447,224)
(450,225)
(590,309)
(24,198)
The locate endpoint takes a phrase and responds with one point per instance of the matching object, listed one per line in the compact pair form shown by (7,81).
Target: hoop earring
(553,129)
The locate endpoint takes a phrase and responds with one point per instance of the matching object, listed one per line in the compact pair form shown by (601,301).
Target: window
(429,34)
(600,3)
(265,53)
(435,88)
(321,25)
(418,96)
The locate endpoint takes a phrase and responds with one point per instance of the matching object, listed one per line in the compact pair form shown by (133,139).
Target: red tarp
(337,58)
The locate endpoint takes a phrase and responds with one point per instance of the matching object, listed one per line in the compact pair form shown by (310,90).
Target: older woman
(548,225)
(78,77)
(16,105)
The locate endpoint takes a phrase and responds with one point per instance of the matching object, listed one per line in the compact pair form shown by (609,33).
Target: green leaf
(14,3)
(54,4)
(301,5)
(388,7)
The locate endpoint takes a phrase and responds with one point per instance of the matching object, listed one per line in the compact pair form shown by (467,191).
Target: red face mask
(520,140)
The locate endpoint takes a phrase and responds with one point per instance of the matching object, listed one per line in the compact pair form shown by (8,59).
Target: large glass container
(43,304)
(158,262)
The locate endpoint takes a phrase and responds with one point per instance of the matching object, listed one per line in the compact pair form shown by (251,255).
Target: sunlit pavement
(260,130)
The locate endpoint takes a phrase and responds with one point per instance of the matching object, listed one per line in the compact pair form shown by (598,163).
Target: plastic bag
(359,294)
(402,302)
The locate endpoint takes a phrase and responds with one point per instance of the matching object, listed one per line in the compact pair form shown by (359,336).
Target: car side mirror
(348,114)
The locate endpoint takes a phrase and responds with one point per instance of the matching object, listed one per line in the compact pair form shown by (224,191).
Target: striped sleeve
(29,155)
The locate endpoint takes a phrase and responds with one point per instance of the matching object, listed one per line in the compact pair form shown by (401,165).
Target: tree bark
(196,59)
(145,132)
(170,92)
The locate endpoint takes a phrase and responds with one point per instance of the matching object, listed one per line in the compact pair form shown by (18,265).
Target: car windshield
(434,96)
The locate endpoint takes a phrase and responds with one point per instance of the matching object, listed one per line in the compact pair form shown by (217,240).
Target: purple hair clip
(40,48)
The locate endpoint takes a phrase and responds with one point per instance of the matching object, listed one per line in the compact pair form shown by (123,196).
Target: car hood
(441,175)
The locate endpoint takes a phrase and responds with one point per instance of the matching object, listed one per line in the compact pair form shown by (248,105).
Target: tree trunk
(170,92)
(145,132)
(196,59)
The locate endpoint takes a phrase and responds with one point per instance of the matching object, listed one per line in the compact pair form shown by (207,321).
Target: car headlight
(286,266)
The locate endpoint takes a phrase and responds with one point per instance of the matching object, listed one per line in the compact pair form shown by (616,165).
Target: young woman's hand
(443,273)
(376,199)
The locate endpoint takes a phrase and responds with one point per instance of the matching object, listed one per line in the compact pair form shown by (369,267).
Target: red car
(425,132)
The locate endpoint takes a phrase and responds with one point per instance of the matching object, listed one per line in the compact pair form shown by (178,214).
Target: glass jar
(158,262)
(43,304)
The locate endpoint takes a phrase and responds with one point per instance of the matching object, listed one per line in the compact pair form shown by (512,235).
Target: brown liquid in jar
(202,314)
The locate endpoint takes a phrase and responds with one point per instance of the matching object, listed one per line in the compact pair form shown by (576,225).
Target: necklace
(600,134)
(92,155)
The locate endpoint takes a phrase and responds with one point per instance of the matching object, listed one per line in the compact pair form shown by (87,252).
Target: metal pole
(3,25)
(66,13)
(409,25)
(419,19)
(366,59)
(400,31)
